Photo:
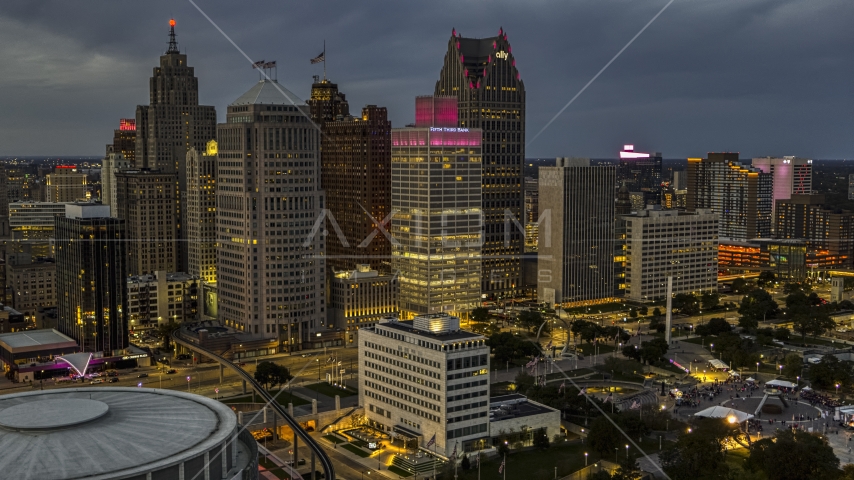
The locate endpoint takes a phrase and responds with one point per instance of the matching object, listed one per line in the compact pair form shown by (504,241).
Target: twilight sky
(762,77)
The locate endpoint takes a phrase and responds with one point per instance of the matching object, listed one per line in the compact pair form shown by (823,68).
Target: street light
(188,384)
(585,459)
(757,368)
(781,369)
(837,389)
(627,452)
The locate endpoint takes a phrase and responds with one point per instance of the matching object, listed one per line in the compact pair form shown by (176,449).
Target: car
(113,374)
(95,374)
(142,375)
(241,364)
(113,380)
(171,371)
(184,356)
(97,380)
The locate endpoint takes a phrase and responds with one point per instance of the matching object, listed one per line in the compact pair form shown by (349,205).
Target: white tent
(715,363)
(780,383)
(724,412)
(750,379)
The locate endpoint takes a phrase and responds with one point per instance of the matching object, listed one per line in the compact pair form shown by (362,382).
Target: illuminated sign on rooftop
(448,129)
(629,152)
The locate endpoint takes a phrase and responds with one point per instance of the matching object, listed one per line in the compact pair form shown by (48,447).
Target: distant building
(824,227)
(146,202)
(163,297)
(641,172)
(360,298)
(680,180)
(532,213)
(201,212)
(124,141)
(326,103)
(33,283)
(436,200)
(34,220)
(740,194)
(112,163)
(791,176)
(481,73)
(424,378)
(11,320)
(66,184)
(851,186)
(91,270)
(662,243)
(576,262)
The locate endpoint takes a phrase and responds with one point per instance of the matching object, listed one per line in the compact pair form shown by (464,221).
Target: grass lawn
(399,471)
(533,464)
(608,307)
(358,451)
(330,391)
(624,377)
(284,399)
(589,348)
(334,438)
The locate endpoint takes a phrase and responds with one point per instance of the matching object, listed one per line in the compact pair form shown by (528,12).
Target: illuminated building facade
(124,140)
(90,267)
(326,103)
(791,176)
(807,217)
(360,298)
(171,124)
(162,297)
(32,283)
(641,172)
(66,184)
(426,377)
(355,174)
(481,73)
(576,254)
(201,212)
(112,163)
(532,214)
(741,195)
(436,205)
(34,220)
(662,243)
(146,202)
(270,245)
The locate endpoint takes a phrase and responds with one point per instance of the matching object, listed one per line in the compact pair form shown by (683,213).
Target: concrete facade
(360,298)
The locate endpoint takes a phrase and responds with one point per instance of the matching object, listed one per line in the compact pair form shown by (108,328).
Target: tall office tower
(32,281)
(532,214)
(112,163)
(668,197)
(355,174)
(680,180)
(741,195)
(201,212)
(124,140)
(90,267)
(623,206)
(146,202)
(326,102)
(428,381)
(170,125)
(641,172)
(850,187)
(4,194)
(687,240)
(34,220)
(791,176)
(436,203)
(65,184)
(482,74)
(824,227)
(270,265)
(576,264)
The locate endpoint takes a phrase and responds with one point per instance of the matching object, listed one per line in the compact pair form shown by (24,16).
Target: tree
(793,455)
(758,305)
(465,464)
(541,440)
(164,330)
(508,347)
(829,372)
(765,278)
(603,436)
(710,300)
(657,324)
(686,303)
(530,320)
(656,312)
(643,310)
(633,313)
(790,288)
(816,322)
(847,305)
(632,351)
(782,334)
(792,365)
(271,374)
(699,454)
(740,285)
(503,449)
(651,351)
(718,325)
(480,314)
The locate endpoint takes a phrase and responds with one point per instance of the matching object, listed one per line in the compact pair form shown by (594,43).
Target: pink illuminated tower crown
(435,111)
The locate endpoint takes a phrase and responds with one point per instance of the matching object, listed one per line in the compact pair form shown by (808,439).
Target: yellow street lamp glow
(731,419)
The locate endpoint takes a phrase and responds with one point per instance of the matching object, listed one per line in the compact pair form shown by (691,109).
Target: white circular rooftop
(52,414)
(101,433)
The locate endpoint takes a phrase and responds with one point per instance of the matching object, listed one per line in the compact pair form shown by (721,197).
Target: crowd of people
(815,398)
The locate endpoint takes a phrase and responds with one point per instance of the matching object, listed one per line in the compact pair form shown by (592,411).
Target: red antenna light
(171,22)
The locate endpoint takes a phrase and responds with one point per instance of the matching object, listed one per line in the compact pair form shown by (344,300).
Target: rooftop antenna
(173,44)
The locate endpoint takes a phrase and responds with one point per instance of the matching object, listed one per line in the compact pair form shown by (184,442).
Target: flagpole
(478,463)
(324,59)
(504,462)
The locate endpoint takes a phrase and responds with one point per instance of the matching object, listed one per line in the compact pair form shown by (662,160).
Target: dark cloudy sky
(762,77)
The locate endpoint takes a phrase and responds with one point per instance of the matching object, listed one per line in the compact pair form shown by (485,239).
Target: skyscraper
(576,254)
(201,212)
(66,184)
(114,162)
(790,176)
(145,200)
(482,74)
(436,203)
(170,125)
(270,265)
(824,227)
(355,174)
(641,172)
(90,268)
(326,102)
(740,194)
(124,140)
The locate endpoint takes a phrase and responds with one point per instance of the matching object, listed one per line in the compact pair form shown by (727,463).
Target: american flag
(609,398)
(432,441)
(501,468)
(562,386)
(320,58)
(477,460)
(635,405)
(258,64)
(549,345)
(583,391)
(270,64)
(454,454)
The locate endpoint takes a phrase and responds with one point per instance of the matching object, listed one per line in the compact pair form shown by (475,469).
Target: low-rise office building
(32,283)
(162,297)
(360,298)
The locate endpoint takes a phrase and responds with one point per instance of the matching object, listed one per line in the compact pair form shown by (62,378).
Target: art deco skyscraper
(170,125)
(356,177)
(90,270)
(145,200)
(201,212)
(436,202)
(326,102)
(482,74)
(270,264)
